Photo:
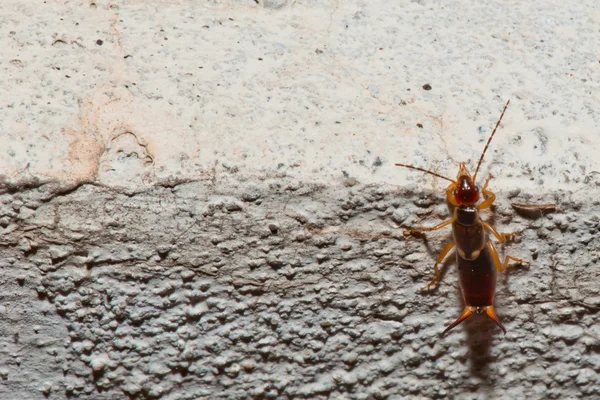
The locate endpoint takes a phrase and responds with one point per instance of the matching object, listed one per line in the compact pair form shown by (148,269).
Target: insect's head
(463,191)
(466,191)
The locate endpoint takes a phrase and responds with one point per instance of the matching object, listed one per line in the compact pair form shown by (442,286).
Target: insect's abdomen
(477,279)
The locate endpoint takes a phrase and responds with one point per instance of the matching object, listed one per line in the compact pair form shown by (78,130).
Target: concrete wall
(199,198)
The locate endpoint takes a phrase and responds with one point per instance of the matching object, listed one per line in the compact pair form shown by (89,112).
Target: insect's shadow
(479,328)
(480,332)
(480,335)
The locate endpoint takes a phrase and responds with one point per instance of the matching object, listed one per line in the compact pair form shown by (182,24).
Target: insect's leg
(502,266)
(450,195)
(488,195)
(433,228)
(495,257)
(515,259)
(502,237)
(436,271)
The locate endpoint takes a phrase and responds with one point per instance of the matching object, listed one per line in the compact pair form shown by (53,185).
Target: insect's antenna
(489,140)
(426,171)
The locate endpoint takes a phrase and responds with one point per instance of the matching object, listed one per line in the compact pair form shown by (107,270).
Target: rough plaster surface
(280,289)
(199,199)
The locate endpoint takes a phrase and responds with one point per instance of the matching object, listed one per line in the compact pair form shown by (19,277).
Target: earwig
(476,255)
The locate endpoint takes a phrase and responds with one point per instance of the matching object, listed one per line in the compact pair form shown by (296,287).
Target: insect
(476,256)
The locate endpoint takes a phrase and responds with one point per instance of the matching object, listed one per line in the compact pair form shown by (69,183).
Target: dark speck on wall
(420,125)
(99,42)
(427,86)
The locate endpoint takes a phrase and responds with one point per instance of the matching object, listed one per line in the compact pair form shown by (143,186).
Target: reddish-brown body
(476,270)
(477,279)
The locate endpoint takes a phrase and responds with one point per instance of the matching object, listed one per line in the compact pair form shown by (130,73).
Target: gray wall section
(284,289)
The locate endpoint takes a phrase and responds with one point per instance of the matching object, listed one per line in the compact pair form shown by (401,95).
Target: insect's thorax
(467,215)
(468,232)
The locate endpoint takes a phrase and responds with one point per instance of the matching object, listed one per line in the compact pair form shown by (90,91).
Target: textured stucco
(281,289)
(198,199)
